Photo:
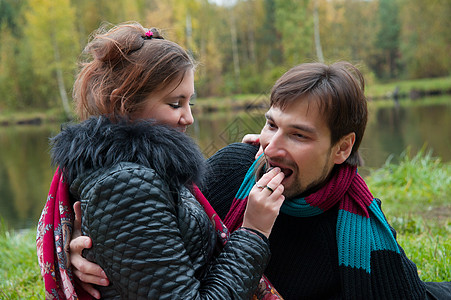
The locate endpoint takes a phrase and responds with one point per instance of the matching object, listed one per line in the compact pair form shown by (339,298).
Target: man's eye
(271,125)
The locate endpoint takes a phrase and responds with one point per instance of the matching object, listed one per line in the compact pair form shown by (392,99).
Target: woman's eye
(174,105)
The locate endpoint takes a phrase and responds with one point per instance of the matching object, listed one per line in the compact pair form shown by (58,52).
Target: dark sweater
(304,260)
(309,258)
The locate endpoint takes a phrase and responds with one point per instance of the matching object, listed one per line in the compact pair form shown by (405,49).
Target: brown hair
(339,91)
(123,68)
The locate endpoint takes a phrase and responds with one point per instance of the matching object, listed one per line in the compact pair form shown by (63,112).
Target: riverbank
(414,196)
(405,90)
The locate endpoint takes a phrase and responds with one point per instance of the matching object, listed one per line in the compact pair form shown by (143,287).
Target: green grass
(50,115)
(376,90)
(430,252)
(20,277)
(415,195)
(415,184)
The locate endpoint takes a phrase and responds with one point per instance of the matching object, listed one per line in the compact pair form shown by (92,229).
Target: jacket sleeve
(131,218)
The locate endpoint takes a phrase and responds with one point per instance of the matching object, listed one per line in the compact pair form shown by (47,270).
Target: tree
(209,36)
(426,38)
(387,40)
(16,79)
(54,46)
(269,50)
(319,49)
(295,23)
(8,76)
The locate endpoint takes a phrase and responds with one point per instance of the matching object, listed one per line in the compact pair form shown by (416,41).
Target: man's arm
(225,173)
(85,271)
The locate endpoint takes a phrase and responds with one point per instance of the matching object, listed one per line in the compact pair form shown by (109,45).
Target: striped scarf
(367,249)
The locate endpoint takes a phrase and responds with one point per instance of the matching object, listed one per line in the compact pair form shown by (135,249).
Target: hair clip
(152,35)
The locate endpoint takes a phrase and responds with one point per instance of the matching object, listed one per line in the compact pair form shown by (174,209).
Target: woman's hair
(125,64)
(339,91)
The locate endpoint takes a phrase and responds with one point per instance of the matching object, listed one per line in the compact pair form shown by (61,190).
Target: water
(25,171)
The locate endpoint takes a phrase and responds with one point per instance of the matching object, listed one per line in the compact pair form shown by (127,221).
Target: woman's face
(171,106)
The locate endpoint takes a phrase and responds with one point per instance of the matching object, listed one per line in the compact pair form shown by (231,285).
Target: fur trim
(98,142)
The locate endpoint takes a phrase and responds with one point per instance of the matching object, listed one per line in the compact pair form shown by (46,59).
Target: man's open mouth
(286,171)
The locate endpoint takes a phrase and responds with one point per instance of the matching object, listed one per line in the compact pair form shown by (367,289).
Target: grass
(414,193)
(20,277)
(415,184)
(381,90)
(30,115)
(430,252)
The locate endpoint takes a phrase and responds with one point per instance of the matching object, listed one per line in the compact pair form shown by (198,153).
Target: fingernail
(86,243)
(104,282)
(269,169)
(104,274)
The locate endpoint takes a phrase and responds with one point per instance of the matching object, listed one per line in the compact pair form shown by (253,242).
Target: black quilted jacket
(150,235)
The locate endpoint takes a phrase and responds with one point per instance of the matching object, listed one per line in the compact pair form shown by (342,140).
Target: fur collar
(98,142)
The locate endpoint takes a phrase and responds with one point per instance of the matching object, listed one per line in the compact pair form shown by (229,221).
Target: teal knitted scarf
(366,244)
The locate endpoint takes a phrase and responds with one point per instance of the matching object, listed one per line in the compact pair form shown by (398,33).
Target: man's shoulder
(236,151)
(225,173)
(236,155)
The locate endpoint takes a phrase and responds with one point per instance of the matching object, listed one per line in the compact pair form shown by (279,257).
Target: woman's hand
(264,202)
(253,139)
(86,272)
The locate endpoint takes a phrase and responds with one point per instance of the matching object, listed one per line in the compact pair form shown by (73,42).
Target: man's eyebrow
(304,128)
(295,126)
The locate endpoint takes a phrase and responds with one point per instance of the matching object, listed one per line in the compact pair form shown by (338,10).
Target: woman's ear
(343,148)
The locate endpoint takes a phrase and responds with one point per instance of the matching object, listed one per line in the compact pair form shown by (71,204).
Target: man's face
(297,140)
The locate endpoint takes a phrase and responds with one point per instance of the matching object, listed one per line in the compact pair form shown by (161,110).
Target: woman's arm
(139,245)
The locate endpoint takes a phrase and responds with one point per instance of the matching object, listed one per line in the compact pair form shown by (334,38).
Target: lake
(25,171)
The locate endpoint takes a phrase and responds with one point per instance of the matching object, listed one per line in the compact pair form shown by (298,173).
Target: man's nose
(276,146)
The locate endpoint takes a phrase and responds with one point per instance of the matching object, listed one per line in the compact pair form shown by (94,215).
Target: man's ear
(343,148)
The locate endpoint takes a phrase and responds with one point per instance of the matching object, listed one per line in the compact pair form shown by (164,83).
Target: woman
(135,172)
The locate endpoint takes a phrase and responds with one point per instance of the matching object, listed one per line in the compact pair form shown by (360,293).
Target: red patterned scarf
(52,243)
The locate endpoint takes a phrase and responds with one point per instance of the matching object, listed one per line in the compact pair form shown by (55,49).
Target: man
(330,240)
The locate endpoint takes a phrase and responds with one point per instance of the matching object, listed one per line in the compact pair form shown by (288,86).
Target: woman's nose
(187,117)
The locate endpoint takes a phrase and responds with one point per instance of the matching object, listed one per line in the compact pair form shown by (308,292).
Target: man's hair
(339,91)
(125,64)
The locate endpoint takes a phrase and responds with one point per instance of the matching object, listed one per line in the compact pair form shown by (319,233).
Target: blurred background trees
(242,46)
